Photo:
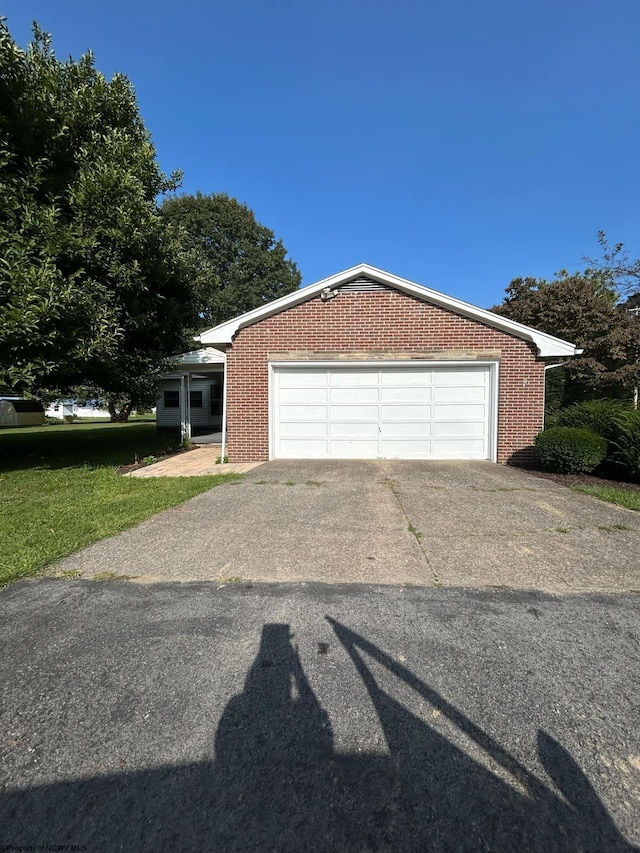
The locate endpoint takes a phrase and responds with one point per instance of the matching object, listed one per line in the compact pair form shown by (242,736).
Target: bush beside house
(600,416)
(564,446)
(627,443)
(569,450)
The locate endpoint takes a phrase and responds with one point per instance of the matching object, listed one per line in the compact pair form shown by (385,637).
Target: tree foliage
(583,308)
(92,284)
(237,263)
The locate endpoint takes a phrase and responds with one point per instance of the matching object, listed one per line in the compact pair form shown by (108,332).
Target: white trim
(547,345)
(195,374)
(494,380)
(224,417)
(185,407)
(271,406)
(494,386)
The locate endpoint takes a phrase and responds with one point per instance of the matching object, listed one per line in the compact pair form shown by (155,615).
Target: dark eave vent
(361,284)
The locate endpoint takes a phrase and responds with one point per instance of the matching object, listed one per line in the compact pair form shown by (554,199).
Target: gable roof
(547,345)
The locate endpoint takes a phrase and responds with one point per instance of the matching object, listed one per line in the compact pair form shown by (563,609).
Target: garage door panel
(405,377)
(457,394)
(304,429)
(459,411)
(390,412)
(353,413)
(356,429)
(303,395)
(406,449)
(405,394)
(345,449)
(401,412)
(459,376)
(458,429)
(353,378)
(446,448)
(405,429)
(302,379)
(291,448)
(354,395)
(305,413)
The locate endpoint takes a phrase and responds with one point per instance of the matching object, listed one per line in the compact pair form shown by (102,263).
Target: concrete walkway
(208,438)
(201,460)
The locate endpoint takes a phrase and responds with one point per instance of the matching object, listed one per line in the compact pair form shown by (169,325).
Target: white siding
(200,418)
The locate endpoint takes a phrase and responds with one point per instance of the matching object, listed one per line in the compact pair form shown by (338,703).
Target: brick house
(366,365)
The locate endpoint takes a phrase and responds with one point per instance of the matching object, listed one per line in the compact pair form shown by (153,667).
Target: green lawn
(622,497)
(59,489)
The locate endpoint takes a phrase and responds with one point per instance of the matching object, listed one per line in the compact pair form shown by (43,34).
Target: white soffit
(547,345)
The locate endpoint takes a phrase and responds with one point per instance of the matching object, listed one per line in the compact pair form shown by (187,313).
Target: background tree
(237,263)
(93,287)
(583,308)
(140,395)
(614,263)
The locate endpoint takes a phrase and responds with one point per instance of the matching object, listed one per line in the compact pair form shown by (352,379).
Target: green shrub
(626,442)
(599,416)
(568,450)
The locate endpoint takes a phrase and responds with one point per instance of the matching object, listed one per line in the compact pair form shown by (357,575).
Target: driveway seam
(417,535)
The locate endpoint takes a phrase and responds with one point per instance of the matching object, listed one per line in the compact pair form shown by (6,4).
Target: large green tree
(92,283)
(237,263)
(583,308)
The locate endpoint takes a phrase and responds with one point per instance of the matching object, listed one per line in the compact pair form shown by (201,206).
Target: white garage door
(389,412)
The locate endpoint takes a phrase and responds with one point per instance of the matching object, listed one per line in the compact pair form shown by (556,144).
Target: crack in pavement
(417,535)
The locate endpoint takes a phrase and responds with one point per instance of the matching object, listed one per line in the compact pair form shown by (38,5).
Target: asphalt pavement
(288,717)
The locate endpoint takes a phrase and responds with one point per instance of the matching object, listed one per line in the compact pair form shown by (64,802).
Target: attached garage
(367,365)
(382,411)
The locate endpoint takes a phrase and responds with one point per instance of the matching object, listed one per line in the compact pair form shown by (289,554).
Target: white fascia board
(192,373)
(547,345)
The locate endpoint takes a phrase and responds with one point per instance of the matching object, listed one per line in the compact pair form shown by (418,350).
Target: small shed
(17,412)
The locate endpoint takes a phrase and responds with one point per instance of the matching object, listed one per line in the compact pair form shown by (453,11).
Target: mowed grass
(623,497)
(59,489)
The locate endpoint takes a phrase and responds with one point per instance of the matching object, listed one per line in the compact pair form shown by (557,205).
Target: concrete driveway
(391,522)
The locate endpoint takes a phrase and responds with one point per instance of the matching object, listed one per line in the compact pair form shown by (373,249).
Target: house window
(195,399)
(216,395)
(172,399)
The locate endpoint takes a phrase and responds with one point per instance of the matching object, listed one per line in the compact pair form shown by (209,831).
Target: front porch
(208,438)
(192,398)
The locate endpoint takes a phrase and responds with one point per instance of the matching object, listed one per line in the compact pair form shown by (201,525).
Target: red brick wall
(378,320)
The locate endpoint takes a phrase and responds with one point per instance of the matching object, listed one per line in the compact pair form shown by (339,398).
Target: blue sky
(455,143)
